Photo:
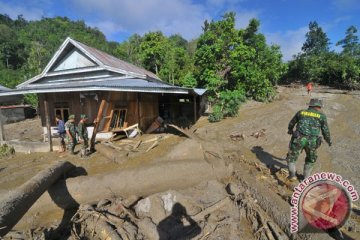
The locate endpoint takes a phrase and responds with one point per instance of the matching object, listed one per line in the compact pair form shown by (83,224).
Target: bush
(6,150)
(216,115)
(227,105)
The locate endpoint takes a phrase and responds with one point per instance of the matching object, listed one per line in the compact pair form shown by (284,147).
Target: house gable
(73,60)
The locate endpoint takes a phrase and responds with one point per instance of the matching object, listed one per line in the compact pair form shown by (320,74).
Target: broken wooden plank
(151,140)
(97,123)
(14,205)
(155,125)
(180,130)
(125,130)
(152,146)
(137,144)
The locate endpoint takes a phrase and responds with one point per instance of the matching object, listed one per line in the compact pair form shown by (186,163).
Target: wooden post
(195,109)
(138,107)
(2,135)
(97,123)
(48,125)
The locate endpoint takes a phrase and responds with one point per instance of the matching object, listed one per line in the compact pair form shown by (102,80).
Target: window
(63,112)
(62,109)
(184,100)
(118,118)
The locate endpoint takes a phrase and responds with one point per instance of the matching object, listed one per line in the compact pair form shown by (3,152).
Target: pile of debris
(119,151)
(210,210)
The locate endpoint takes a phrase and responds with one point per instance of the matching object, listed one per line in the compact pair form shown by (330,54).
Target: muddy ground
(257,153)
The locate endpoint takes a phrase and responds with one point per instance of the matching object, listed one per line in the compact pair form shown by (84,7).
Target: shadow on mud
(272,162)
(173,227)
(65,200)
(267,158)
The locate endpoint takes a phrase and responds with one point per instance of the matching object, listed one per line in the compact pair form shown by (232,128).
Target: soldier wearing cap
(70,129)
(308,123)
(83,134)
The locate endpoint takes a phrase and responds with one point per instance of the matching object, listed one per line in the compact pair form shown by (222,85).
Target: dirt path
(264,142)
(343,113)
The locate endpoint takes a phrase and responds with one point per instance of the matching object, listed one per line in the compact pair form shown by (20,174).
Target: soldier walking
(83,135)
(71,133)
(308,123)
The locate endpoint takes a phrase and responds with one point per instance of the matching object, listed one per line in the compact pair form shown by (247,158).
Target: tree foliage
(234,63)
(317,64)
(27,46)
(316,41)
(350,43)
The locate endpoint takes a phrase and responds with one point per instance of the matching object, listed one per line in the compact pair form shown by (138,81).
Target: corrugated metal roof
(114,62)
(105,61)
(130,77)
(108,82)
(114,84)
(2,88)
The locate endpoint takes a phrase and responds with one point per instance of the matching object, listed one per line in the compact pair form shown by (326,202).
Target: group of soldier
(72,132)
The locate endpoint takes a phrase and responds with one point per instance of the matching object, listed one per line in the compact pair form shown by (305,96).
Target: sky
(283,22)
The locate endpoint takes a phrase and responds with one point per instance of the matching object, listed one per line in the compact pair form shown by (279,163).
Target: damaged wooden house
(12,108)
(79,78)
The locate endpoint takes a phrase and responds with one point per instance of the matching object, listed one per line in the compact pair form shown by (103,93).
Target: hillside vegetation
(233,64)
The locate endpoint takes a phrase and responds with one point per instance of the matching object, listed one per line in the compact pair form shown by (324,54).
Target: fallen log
(140,181)
(16,203)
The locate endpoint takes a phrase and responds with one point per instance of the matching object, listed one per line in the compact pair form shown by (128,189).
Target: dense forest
(233,64)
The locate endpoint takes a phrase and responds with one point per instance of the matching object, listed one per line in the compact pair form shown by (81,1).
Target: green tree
(233,63)
(309,66)
(130,50)
(153,49)
(316,41)
(350,43)
(176,61)
(188,80)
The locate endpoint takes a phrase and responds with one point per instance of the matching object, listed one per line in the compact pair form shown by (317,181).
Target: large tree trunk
(16,203)
(140,181)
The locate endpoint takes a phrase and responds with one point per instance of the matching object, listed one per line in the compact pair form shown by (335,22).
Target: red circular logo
(326,206)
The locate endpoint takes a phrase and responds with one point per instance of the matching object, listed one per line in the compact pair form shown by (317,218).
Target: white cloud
(13,10)
(172,16)
(344,5)
(243,18)
(107,27)
(220,3)
(290,41)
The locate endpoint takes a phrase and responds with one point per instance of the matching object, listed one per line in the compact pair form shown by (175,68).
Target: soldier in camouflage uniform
(83,135)
(308,123)
(71,133)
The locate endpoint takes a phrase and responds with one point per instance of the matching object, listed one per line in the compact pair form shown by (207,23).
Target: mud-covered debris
(234,189)
(258,134)
(237,136)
